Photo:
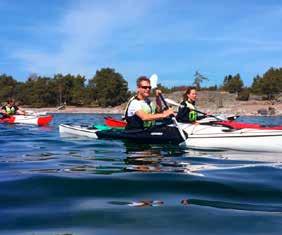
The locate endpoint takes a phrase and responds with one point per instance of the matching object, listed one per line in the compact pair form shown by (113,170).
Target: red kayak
(114,123)
(111,122)
(28,119)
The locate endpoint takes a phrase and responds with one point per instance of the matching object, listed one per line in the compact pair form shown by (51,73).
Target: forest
(108,88)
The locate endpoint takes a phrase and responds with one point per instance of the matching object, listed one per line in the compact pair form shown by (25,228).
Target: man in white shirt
(141,112)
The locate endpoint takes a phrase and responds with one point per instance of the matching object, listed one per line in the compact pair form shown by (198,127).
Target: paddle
(172,102)
(154,81)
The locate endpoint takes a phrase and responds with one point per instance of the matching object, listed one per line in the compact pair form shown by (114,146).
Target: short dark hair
(188,91)
(140,79)
(10,100)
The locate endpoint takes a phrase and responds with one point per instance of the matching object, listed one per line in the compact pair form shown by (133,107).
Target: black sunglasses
(146,87)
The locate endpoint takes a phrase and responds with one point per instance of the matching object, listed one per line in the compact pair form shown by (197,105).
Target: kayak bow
(112,122)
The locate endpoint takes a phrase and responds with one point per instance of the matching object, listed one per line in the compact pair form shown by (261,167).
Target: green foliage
(38,92)
(70,89)
(78,90)
(7,87)
(233,84)
(164,89)
(109,87)
(244,94)
(269,84)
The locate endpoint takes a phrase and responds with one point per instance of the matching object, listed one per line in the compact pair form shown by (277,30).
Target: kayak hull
(77,130)
(154,135)
(28,119)
(164,134)
(200,137)
(203,137)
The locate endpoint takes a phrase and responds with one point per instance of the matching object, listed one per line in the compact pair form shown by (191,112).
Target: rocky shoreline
(240,108)
(208,101)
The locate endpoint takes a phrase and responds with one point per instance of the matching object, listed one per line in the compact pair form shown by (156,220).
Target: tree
(198,79)
(164,89)
(7,87)
(63,85)
(233,84)
(109,87)
(78,90)
(244,94)
(70,89)
(38,92)
(269,84)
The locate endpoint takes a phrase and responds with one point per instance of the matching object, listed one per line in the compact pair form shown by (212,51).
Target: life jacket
(186,112)
(10,110)
(135,122)
(192,114)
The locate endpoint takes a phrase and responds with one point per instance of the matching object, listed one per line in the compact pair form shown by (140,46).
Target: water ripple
(52,185)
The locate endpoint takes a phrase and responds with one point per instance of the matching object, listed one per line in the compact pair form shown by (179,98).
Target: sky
(172,38)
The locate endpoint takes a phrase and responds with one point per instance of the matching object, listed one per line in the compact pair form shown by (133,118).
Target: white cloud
(81,36)
(143,37)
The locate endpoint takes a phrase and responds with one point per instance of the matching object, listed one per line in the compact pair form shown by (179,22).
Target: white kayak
(206,137)
(66,130)
(40,120)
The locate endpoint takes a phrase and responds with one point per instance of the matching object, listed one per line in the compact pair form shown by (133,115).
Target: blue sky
(172,38)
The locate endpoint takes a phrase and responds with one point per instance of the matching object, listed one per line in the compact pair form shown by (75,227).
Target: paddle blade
(172,102)
(154,80)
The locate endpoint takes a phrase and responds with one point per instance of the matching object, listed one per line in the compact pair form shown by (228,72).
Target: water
(55,185)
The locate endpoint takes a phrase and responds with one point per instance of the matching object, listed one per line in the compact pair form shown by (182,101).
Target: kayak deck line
(234,124)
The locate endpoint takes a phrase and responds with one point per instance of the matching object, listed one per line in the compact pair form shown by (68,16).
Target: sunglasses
(146,87)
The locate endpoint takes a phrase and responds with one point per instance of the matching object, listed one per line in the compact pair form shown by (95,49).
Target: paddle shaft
(206,115)
(173,118)
(197,111)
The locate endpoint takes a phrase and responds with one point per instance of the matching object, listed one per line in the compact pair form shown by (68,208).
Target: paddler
(187,111)
(141,112)
(10,108)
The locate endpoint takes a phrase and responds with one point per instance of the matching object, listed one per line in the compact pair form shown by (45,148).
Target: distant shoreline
(71,109)
(212,102)
(240,108)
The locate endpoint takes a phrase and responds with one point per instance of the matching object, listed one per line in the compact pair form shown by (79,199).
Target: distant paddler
(10,108)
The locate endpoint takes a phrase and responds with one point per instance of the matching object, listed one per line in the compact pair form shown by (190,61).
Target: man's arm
(151,117)
(20,112)
(3,111)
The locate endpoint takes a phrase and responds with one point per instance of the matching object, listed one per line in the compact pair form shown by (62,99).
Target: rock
(262,111)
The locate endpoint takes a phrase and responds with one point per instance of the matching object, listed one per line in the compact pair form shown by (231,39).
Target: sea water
(55,185)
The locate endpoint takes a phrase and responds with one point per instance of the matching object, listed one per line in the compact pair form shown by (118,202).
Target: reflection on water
(54,185)
(83,156)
